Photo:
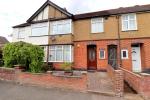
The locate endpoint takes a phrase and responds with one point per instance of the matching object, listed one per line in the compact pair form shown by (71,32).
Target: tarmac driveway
(12,91)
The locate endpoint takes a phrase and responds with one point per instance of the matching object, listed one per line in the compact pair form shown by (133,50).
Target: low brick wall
(118,80)
(48,80)
(140,83)
(7,74)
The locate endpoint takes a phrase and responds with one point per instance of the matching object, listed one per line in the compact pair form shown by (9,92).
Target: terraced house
(119,37)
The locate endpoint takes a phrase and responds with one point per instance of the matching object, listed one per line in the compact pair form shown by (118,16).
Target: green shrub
(67,66)
(25,54)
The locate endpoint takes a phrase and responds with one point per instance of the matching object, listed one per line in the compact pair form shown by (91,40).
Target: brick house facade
(119,37)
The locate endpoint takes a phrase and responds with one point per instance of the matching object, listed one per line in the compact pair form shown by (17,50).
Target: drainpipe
(48,40)
(119,40)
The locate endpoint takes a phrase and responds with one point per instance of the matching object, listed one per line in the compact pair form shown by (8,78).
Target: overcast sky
(13,12)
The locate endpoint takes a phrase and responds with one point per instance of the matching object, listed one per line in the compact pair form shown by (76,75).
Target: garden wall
(118,80)
(46,79)
(139,82)
(7,74)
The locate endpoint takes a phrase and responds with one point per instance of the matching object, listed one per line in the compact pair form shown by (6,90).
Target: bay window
(129,22)
(61,27)
(60,53)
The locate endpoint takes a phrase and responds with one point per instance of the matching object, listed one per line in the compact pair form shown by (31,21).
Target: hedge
(25,54)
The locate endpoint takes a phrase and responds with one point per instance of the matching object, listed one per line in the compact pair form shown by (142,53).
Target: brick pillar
(119,83)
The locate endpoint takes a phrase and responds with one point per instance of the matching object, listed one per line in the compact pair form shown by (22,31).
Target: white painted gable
(42,15)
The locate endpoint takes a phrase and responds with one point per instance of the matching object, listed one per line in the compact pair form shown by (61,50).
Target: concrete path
(100,82)
(10,91)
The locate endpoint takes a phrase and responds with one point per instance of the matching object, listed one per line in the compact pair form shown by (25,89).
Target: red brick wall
(140,83)
(7,74)
(48,80)
(118,80)
(80,53)
(57,65)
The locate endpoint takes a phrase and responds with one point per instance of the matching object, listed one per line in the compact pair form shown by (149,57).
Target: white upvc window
(97,25)
(61,27)
(60,53)
(124,54)
(40,29)
(129,22)
(21,33)
(102,54)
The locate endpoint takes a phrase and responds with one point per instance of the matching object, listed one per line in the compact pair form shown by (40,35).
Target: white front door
(136,59)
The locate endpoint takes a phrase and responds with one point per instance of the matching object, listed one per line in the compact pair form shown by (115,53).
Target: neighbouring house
(119,37)
(3,41)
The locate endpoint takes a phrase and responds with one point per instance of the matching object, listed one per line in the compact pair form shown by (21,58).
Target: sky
(13,12)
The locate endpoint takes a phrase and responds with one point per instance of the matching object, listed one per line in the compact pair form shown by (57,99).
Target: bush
(47,67)
(67,66)
(25,54)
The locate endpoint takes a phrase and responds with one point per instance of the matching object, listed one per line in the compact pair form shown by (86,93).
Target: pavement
(13,91)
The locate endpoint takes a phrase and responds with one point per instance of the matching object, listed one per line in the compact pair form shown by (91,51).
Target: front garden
(24,64)
(29,58)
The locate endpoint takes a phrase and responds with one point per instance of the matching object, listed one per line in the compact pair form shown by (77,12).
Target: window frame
(100,54)
(39,26)
(20,31)
(63,23)
(128,21)
(55,51)
(45,52)
(99,20)
(127,54)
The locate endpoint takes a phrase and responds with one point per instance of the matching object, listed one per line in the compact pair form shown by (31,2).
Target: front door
(91,57)
(136,59)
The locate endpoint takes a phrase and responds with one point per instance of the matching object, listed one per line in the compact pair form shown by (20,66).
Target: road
(13,91)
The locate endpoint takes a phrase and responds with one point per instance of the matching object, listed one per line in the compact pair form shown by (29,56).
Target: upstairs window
(97,25)
(40,29)
(21,33)
(61,27)
(129,22)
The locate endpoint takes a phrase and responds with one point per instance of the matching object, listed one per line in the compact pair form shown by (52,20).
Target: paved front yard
(11,91)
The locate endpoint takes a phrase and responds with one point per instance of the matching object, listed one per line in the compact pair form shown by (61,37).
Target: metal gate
(112,55)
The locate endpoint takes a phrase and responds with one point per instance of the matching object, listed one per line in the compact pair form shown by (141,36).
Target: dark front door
(91,57)
(112,55)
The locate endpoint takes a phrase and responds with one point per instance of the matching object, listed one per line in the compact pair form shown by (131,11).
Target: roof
(117,11)
(53,5)
(22,25)
(121,10)
(3,41)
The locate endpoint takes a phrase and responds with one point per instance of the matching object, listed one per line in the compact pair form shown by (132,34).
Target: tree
(25,54)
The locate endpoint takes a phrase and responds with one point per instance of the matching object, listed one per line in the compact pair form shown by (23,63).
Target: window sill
(39,36)
(102,58)
(60,34)
(129,30)
(59,61)
(124,58)
(97,32)
(20,38)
